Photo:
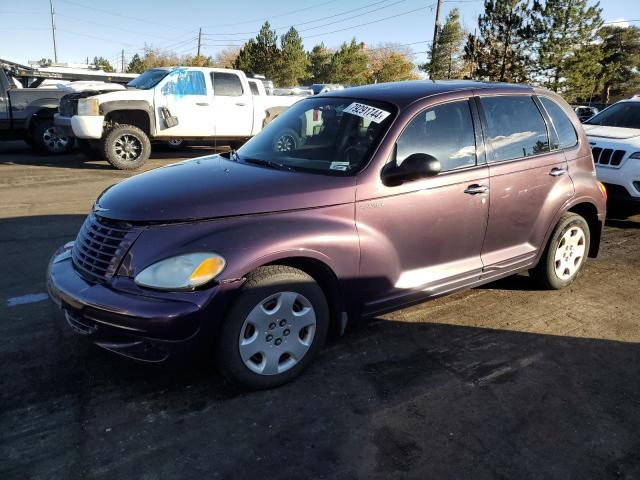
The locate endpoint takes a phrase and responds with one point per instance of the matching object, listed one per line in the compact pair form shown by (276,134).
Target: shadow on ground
(389,400)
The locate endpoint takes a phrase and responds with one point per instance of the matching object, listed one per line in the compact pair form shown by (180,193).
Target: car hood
(214,186)
(611,132)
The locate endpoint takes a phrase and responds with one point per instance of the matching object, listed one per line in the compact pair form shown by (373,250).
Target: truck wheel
(275,328)
(177,145)
(90,149)
(46,139)
(126,147)
(286,140)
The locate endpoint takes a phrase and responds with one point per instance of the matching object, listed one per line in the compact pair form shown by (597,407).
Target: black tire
(115,142)
(261,284)
(544,274)
(90,149)
(46,140)
(288,139)
(177,145)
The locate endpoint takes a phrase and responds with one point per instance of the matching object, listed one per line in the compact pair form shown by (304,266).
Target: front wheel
(565,255)
(126,147)
(275,328)
(45,138)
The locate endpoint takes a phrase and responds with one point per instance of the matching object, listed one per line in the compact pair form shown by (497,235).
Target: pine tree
(562,27)
(505,41)
(349,64)
(135,65)
(320,64)
(581,72)
(446,56)
(620,75)
(260,55)
(103,63)
(294,64)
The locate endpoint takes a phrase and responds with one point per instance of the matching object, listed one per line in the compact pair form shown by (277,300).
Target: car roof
(405,93)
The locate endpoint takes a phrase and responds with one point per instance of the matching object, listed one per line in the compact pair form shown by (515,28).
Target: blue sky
(88,28)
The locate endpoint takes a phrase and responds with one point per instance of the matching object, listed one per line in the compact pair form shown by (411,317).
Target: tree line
(562,45)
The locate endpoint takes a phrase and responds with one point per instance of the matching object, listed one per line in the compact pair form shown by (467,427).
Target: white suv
(614,135)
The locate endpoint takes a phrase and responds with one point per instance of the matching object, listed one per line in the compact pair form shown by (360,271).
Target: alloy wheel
(285,143)
(54,142)
(128,147)
(277,333)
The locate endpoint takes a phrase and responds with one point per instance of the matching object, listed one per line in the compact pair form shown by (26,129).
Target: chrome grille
(100,246)
(607,156)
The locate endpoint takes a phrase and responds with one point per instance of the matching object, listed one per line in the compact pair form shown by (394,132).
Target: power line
(111,27)
(290,12)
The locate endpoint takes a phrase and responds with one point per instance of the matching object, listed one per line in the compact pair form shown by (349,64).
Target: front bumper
(86,127)
(144,328)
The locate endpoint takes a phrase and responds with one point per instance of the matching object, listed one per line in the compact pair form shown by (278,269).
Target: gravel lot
(503,381)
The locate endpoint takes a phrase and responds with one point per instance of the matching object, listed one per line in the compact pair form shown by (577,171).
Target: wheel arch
(589,212)
(136,113)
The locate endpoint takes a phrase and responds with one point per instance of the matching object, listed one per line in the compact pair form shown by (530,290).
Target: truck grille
(69,105)
(100,246)
(607,156)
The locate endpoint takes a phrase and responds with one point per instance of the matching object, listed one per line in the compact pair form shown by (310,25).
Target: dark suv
(383,196)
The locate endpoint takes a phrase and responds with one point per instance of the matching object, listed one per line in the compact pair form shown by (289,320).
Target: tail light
(603,190)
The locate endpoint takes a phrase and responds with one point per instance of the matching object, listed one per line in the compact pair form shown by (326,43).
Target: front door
(233,105)
(183,94)
(434,227)
(529,181)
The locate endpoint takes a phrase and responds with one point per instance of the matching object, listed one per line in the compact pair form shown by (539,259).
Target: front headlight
(635,155)
(88,107)
(182,272)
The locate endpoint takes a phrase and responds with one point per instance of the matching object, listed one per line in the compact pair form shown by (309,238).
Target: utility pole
(436,29)
(199,40)
(53,31)
(122,61)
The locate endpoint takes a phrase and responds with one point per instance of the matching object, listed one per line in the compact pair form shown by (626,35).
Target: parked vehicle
(26,111)
(397,194)
(318,88)
(584,113)
(178,103)
(614,135)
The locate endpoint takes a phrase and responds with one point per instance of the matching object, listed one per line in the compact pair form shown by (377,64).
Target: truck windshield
(333,136)
(623,114)
(148,79)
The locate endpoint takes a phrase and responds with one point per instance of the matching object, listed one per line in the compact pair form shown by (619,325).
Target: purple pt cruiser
(350,204)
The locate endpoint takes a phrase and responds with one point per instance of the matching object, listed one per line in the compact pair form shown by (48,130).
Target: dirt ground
(503,381)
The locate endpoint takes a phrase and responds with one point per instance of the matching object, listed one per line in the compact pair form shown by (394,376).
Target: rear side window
(567,136)
(226,84)
(254,88)
(515,127)
(445,132)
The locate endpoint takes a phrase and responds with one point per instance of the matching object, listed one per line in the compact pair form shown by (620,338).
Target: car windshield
(148,79)
(333,136)
(623,114)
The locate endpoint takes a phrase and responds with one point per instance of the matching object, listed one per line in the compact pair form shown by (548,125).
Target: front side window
(567,136)
(333,136)
(444,132)
(515,127)
(622,114)
(184,83)
(227,84)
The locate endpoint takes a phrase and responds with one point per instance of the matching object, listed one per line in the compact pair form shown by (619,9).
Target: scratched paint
(26,299)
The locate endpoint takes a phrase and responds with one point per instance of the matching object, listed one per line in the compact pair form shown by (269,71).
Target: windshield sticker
(342,166)
(367,111)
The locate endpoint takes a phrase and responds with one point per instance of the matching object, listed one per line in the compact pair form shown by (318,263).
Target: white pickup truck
(167,104)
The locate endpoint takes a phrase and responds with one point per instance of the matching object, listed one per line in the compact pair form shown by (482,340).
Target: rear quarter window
(227,84)
(567,136)
(515,127)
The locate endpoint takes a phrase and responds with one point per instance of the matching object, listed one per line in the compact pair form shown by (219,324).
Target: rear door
(528,180)
(233,105)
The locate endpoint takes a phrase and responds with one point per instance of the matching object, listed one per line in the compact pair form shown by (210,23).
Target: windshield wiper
(270,164)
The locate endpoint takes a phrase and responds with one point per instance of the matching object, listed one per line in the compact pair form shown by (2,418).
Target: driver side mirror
(414,167)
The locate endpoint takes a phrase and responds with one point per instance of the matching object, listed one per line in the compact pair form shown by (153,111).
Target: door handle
(475,189)
(202,104)
(556,172)
(240,104)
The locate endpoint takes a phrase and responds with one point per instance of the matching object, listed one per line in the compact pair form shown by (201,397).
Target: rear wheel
(126,147)
(46,139)
(177,144)
(286,140)
(275,328)
(565,255)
